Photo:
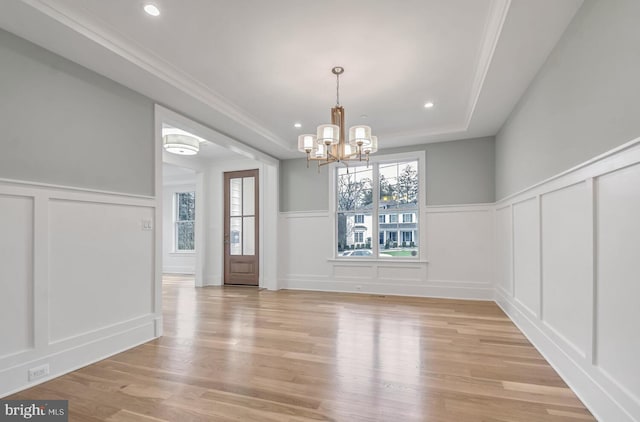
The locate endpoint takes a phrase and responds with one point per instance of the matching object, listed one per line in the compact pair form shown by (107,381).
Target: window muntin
(184,221)
(388,189)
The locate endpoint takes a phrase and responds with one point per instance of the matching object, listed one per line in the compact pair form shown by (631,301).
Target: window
(185,215)
(354,203)
(385,189)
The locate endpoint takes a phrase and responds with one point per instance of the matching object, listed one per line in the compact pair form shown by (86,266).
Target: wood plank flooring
(242,354)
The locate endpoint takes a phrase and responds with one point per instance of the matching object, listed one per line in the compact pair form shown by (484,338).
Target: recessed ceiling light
(297,125)
(428,104)
(152,9)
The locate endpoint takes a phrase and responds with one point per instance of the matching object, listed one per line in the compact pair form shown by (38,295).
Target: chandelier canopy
(330,145)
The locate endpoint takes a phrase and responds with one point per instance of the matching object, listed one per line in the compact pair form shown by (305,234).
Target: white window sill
(182,253)
(393,261)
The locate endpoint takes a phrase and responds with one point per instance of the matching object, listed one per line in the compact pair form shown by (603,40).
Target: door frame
(227,205)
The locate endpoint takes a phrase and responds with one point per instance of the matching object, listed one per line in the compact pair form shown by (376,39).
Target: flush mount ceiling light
(428,104)
(152,9)
(181,144)
(330,145)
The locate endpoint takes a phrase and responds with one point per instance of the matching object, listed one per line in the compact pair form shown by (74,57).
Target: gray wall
(584,101)
(302,188)
(458,172)
(63,124)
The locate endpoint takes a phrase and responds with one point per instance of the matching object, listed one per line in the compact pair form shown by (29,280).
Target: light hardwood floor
(242,354)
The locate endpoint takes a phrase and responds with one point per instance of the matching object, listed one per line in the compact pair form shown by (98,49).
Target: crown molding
(491,35)
(492,31)
(110,39)
(155,65)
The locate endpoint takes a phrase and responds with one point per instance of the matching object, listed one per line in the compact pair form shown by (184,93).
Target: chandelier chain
(337,89)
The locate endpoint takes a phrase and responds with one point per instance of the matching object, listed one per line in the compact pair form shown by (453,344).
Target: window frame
(176,222)
(418,156)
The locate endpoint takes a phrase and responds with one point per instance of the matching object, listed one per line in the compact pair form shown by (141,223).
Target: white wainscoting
(568,265)
(16,274)
(458,248)
(77,278)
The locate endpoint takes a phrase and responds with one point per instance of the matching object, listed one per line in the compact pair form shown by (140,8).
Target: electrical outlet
(38,372)
(358,288)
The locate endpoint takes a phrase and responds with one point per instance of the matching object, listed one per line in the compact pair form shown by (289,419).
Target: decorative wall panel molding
(573,240)
(77,276)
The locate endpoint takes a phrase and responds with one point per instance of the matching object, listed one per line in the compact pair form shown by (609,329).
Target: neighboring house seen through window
(379,202)
(185,216)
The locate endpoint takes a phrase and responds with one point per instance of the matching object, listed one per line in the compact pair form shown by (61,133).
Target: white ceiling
(252,68)
(175,175)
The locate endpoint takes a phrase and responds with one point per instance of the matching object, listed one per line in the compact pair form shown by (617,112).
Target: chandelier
(330,145)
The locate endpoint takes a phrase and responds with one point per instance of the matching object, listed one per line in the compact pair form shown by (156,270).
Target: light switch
(147,225)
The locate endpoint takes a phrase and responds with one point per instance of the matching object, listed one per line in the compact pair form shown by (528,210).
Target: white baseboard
(444,290)
(593,395)
(215,280)
(178,270)
(158,327)
(15,378)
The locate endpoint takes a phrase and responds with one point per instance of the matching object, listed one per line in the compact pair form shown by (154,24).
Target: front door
(241,227)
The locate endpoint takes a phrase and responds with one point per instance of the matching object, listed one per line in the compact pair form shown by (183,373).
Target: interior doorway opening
(217,154)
